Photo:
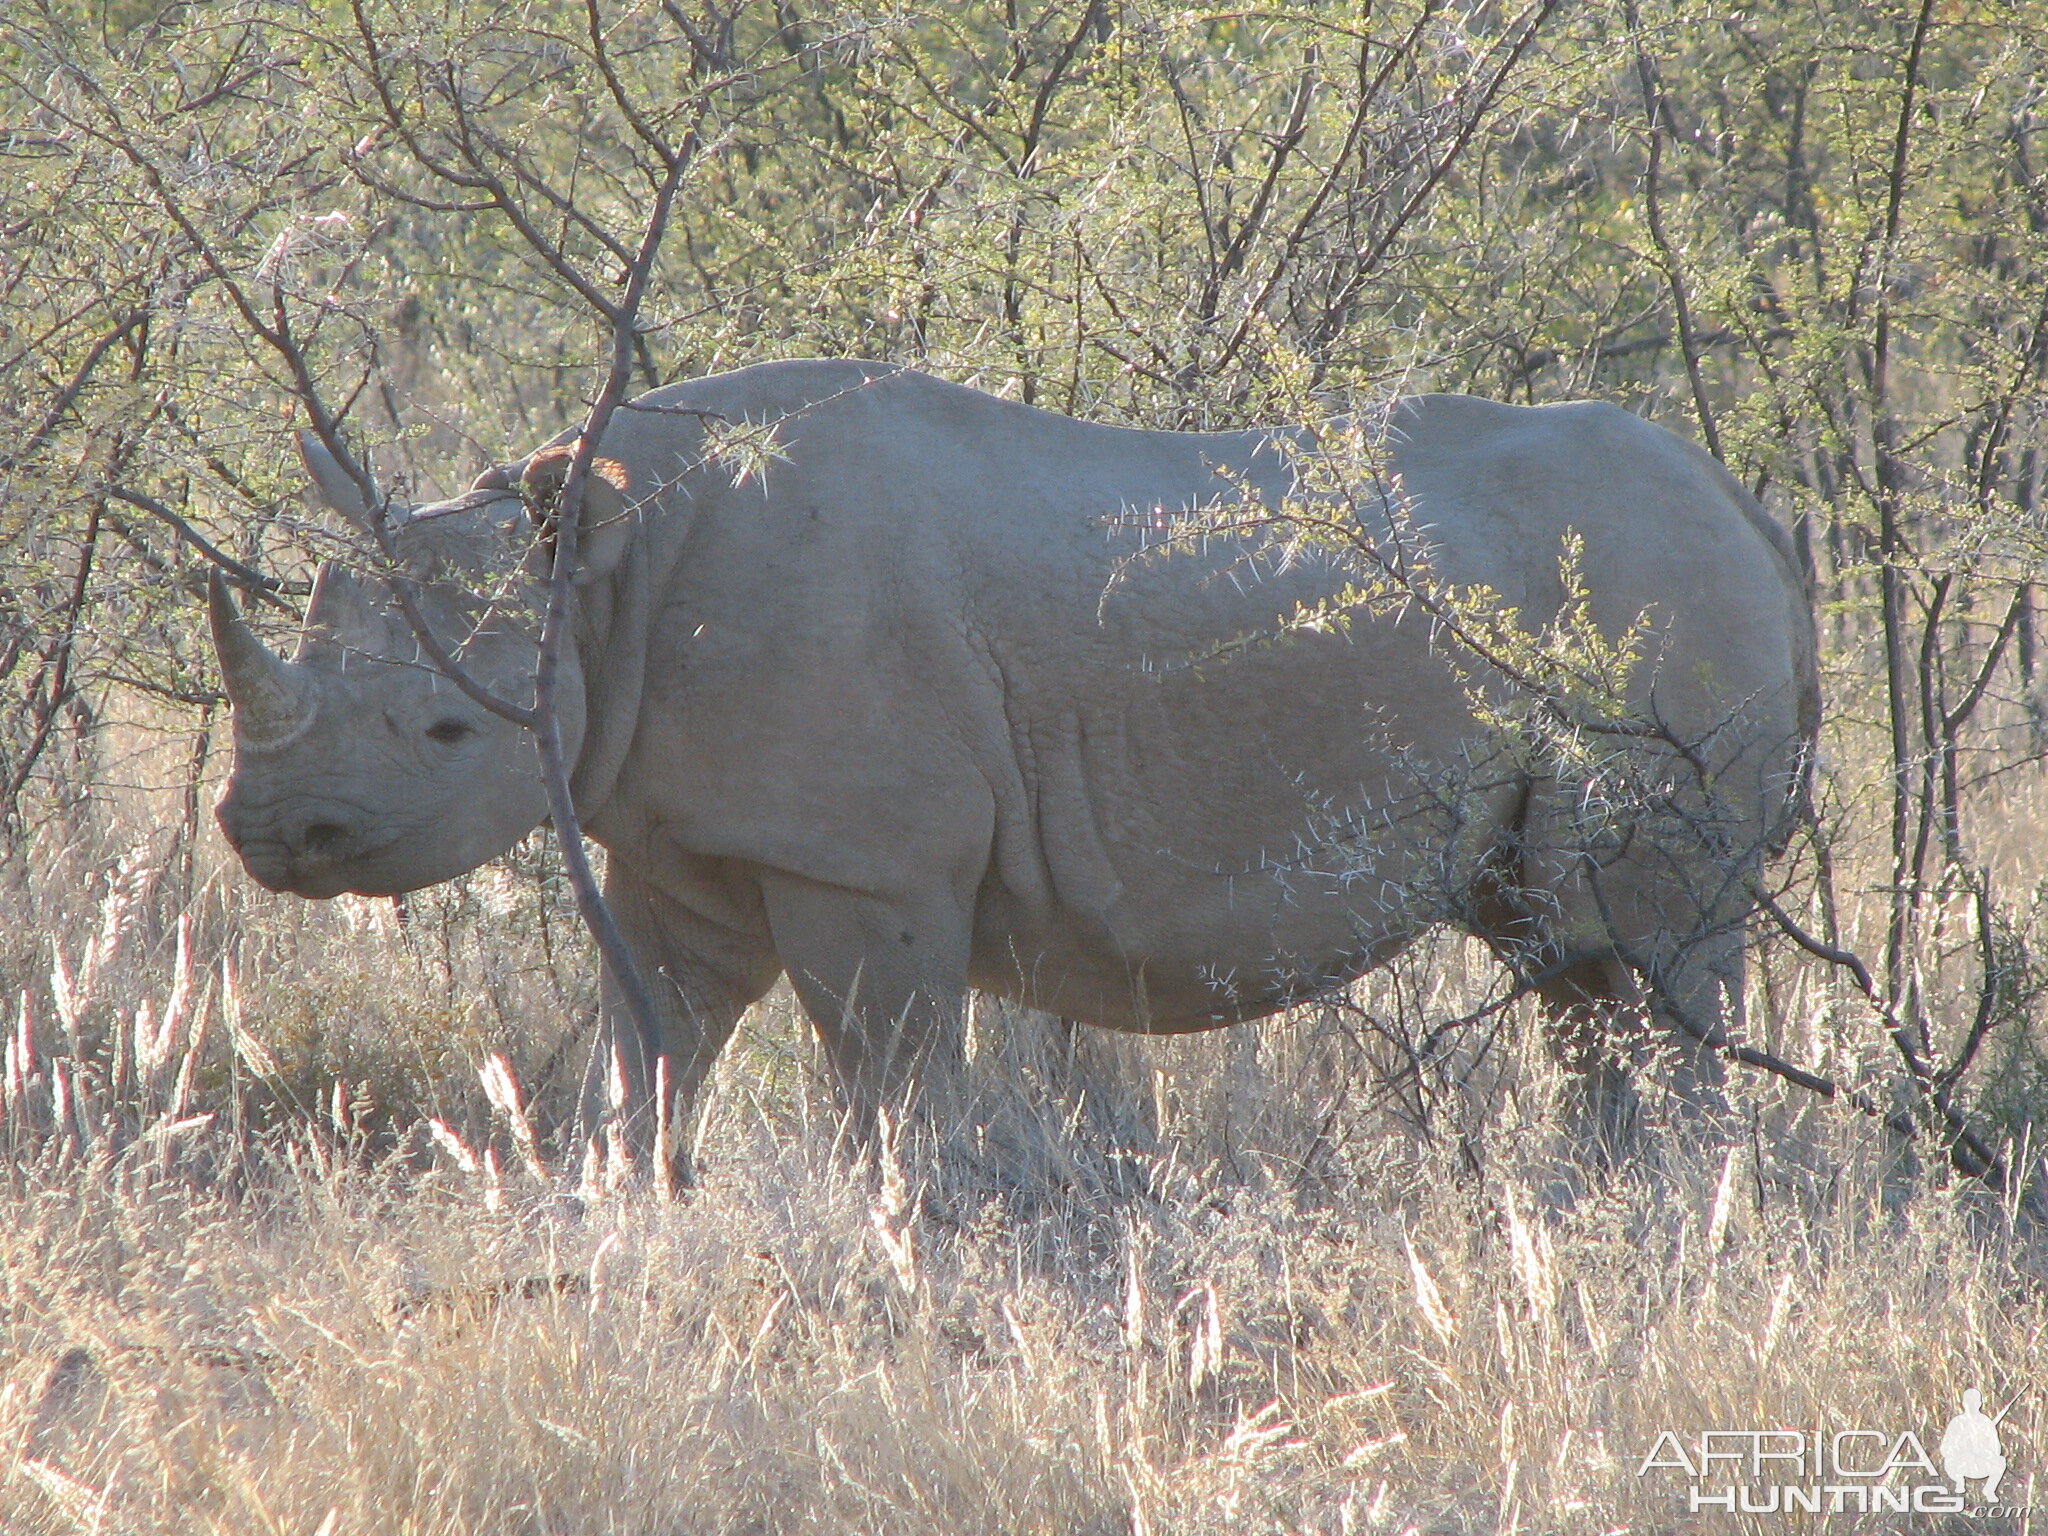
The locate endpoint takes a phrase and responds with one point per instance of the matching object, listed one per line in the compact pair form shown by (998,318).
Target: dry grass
(1261,1281)
(303,1342)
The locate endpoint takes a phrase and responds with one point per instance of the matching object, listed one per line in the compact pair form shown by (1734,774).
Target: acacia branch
(252,580)
(568,515)
(1966,1149)
(1524,32)
(1659,115)
(57,668)
(67,396)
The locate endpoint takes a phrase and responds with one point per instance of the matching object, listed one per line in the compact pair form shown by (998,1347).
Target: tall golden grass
(288,1245)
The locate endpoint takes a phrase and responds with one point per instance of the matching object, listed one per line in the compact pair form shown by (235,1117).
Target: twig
(265,587)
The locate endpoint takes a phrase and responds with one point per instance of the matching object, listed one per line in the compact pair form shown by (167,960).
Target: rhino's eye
(449,732)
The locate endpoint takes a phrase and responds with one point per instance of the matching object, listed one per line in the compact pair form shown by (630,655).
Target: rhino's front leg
(702,976)
(884,981)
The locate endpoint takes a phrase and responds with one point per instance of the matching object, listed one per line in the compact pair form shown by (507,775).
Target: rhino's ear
(606,530)
(332,480)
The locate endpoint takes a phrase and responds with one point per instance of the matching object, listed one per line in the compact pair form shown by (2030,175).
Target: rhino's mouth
(276,868)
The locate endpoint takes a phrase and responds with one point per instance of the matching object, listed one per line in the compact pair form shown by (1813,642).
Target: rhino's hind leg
(1594,1023)
(884,981)
(1614,1031)
(702,976)
(1638,962)
(1593,1013)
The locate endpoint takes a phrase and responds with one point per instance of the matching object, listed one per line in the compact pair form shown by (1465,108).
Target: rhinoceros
(924,693)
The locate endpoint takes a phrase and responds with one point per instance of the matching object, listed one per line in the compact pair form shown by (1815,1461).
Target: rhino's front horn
(268,709)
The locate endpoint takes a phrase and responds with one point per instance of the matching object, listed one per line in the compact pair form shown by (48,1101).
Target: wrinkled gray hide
(902,714)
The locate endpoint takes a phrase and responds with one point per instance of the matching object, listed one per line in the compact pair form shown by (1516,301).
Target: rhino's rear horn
(268,709)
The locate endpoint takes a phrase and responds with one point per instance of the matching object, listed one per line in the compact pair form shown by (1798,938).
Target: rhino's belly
(1205,963)
(1223,884)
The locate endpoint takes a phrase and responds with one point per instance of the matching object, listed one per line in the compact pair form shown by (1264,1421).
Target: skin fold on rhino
(904,706)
